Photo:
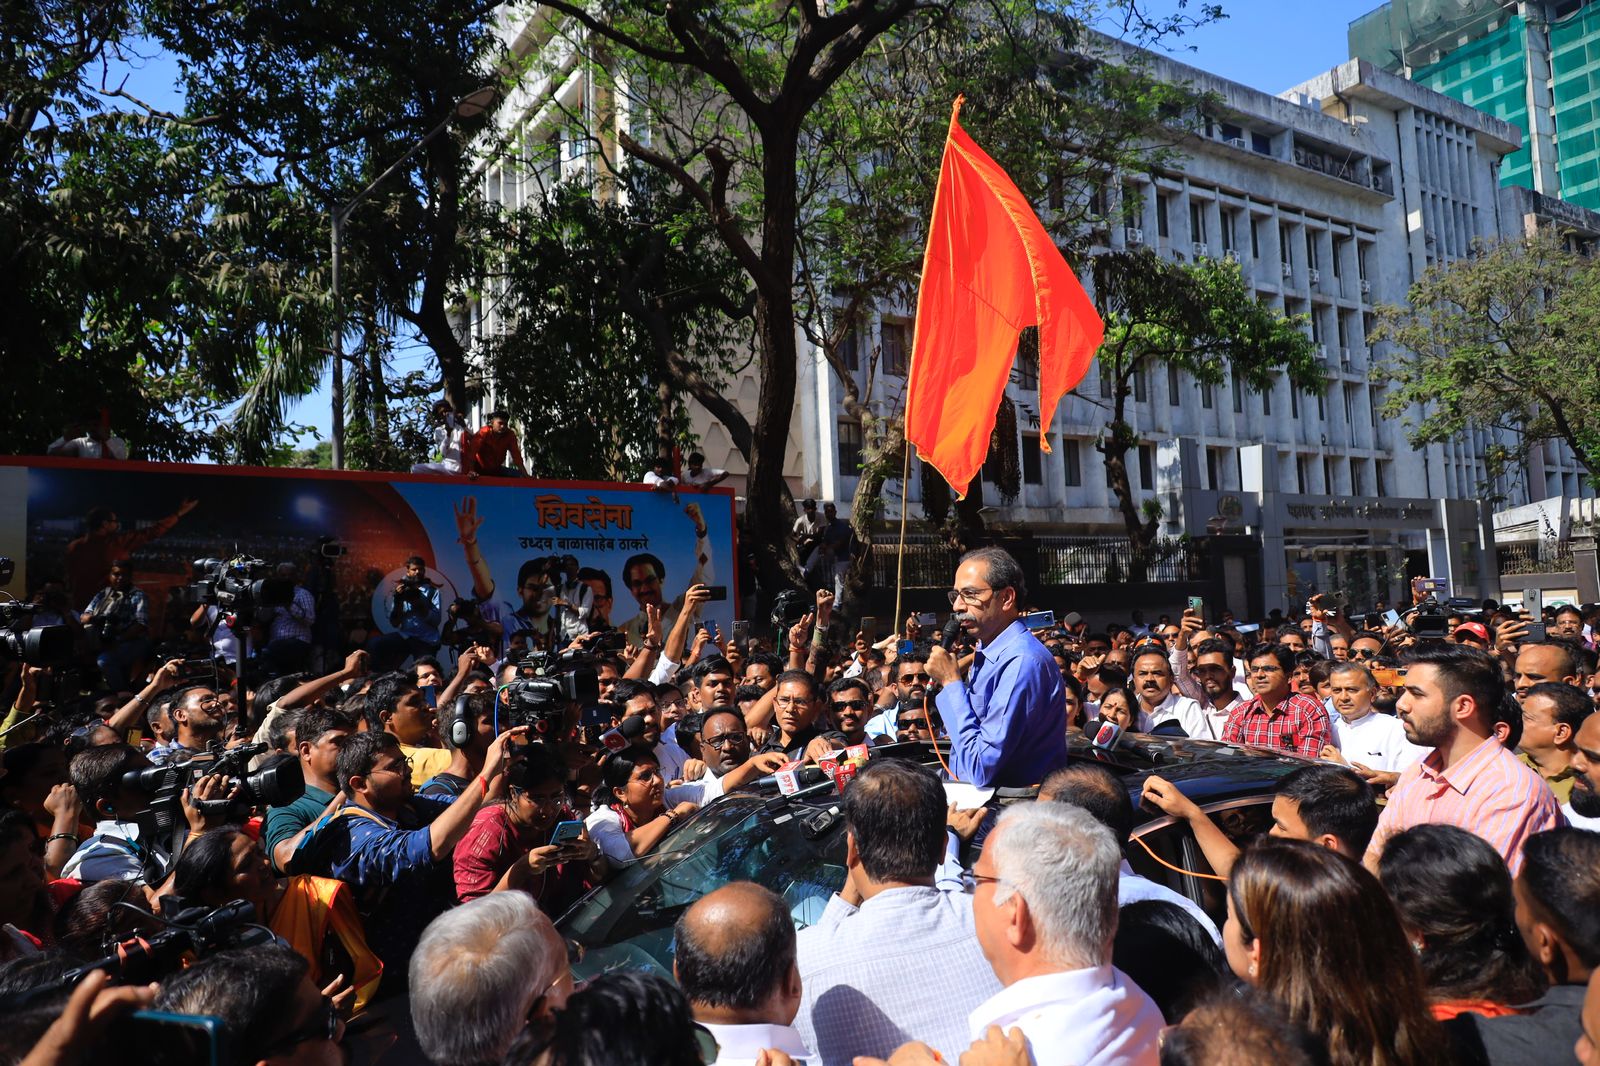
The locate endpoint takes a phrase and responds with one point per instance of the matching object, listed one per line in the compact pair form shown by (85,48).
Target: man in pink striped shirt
(1469,779)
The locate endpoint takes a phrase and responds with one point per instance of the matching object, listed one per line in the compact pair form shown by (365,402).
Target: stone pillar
(1586,561)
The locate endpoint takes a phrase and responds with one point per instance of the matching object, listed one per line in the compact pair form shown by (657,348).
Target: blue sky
(1265,44)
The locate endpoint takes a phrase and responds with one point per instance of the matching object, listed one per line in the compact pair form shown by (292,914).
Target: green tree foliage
(617,307)
(1199,317)
(1504,340)
(126,250)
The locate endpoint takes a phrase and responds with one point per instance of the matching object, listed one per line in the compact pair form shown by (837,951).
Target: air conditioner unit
(1236,142)
(1366,287)
(1199,249)
(1134,234)
(1288,270)
(1231,255)
(1344,358)
(1314,275)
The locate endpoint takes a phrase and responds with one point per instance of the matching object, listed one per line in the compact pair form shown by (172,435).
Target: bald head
(736,955)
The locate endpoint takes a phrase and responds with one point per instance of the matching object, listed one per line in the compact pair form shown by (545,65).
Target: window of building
(1361,261)
(1172,385)
(1255,238)
(1283,245)
(1229,219)
(1260,142)
(850,347)
(1327,475)
(1338,253)
(1266,400)
(1302,479)
(896,340)
(1322,409)
(1162,203)
(849,447)
(1026,370)
(1147,467)
(1208,397)
(1349,406)
(1358,477)
(1032,460)
(1141,385)
(1197,221)
(1312,259)
(1238,392)
(1213,469)
(1294,401)
(1073,462)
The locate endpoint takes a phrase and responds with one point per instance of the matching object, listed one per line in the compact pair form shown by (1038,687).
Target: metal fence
(930,562)
(1536,557)
(1110,560)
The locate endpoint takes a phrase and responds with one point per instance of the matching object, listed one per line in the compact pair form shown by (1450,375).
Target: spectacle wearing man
(1005,719)
(1363,737)
(1277,717)
(799,706)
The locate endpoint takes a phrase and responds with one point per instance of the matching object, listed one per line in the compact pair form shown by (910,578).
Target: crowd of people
(371,856)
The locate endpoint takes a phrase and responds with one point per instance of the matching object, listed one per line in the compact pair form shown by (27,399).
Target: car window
(628,924)
(1174,846)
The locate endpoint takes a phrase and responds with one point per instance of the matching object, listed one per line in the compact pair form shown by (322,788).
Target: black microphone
(952,630)
(632,728)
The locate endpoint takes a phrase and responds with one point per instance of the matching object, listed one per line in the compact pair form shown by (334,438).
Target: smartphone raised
(1391,618)
(164,1037)
(1039,620)
(927,618)
(741,630)
(718,592)
(566,832)
(1197,604)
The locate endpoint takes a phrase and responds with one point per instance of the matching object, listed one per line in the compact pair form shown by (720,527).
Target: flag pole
(905,431)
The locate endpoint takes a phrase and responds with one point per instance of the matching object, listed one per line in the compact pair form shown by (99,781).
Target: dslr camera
(276,784)
(241,586)
(33,645)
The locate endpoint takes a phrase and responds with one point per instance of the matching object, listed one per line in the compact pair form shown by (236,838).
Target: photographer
(414,608)
(574,602)
(124,846)
(119,618)
(467,622)
(197,718)
(395,847)
(289,631)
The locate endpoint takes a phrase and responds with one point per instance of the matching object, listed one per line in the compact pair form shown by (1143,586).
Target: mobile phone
(566,832)
(1391,617)
(1247,627)
(905,647)
(1435,585)
(1387,676)
(164,1037)
(741,630)
(711,627)
(1533,604)
(1334,601)
(431,695)
(927,618)
(1197,604)
(869,628)
(718,592)
(1039,620)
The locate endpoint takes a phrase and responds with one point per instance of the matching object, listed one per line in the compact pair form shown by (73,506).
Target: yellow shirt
(426,763)
(1560,784)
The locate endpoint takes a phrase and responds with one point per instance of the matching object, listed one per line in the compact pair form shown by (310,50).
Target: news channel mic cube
(842,765)
(788,776)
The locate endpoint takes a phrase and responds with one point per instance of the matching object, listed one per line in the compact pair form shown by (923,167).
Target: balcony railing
(1541,557)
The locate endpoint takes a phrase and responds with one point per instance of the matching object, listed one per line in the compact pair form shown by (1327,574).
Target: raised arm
(1219,851)
(447,830)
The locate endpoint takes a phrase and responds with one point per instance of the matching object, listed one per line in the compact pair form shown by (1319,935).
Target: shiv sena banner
(66,521)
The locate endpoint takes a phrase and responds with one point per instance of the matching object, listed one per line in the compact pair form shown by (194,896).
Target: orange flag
(990,270)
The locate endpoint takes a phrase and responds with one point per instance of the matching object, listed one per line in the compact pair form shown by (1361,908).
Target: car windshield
(796,850)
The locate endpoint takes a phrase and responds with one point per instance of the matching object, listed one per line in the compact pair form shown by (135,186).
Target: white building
(1334,198)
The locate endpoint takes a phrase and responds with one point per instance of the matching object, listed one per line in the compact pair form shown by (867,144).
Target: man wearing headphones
(466,726)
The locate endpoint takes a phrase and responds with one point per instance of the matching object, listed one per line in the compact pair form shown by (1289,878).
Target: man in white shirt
(1045,907)
(893,958)
(1152,682)
(698,475)
(735,961)
(660,477)
(97,442)
(1361,735)
(448,437)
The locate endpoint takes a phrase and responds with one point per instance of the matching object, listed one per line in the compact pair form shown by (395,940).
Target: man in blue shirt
(1008,719)
(394,847)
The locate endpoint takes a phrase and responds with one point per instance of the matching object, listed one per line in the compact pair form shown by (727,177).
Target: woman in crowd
(316,915)
(1316,934)
(640,809)
(509,845)
(1121,706)
(1453,892)
(1072,688)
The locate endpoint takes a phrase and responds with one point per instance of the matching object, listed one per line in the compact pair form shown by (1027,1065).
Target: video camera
(241,586)
(141,959)
(547,685)
(276,784)
(33,645)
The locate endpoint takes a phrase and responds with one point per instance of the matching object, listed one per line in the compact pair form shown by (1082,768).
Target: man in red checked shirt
(1276,717)
(489,450)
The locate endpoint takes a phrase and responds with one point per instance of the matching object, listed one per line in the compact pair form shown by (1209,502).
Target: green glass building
(1534,64)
